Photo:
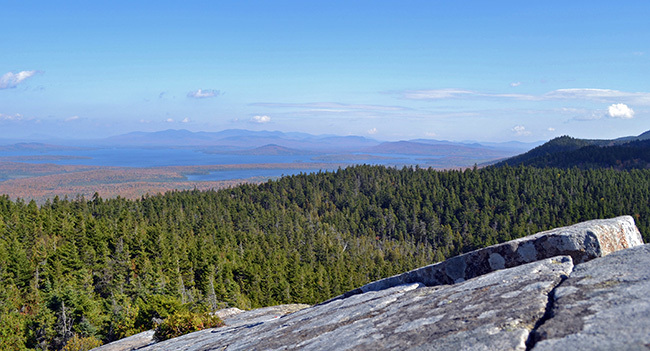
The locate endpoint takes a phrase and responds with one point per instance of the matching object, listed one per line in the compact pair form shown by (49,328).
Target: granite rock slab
(496,311)
(132,342)
(583,242)
(232,317)
(604,305)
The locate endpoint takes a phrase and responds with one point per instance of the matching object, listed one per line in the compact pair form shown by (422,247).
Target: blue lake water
(143,157)
(134,157)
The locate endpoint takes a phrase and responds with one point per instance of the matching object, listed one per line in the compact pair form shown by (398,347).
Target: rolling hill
(567,152)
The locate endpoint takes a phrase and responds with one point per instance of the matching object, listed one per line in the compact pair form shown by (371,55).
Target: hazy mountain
(435,149)
(246,142)
(238,139)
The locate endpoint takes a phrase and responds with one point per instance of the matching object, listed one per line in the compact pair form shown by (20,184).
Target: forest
(103,269)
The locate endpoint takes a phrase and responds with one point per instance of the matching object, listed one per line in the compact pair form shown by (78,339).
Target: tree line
(108,268)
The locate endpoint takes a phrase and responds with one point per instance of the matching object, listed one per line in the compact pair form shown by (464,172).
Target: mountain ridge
(631,152)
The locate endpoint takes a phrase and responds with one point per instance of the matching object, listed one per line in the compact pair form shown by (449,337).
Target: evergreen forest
(568,152)
(106,268)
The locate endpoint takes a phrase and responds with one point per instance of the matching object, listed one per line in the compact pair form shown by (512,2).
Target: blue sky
(390,70)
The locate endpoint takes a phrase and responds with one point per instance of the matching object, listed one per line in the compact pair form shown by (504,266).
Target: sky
(387,70)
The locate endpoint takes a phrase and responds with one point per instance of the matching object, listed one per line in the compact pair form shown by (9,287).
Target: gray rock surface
(233,317)
(132,342)
(258,315)
(496,311)
(583,242)
(604,305)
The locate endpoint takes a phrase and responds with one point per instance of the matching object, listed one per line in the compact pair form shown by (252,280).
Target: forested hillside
(105,268)
(567,152)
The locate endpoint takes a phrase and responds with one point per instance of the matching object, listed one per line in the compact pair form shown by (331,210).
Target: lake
(162,157)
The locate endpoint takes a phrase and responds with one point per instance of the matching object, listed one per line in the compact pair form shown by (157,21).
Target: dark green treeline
(103,268)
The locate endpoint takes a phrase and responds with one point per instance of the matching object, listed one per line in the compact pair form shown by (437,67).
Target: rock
(260,315)
(228,312)
(604,305)
(495,311)
(133,342)
(582,241)
(233,317)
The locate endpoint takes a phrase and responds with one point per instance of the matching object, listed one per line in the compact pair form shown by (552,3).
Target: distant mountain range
(631,152)
(329,148)
(564,152)
(239,141)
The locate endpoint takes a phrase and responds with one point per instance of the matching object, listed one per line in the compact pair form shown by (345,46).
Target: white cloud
(202,94)
(437,94)
(582,114)
(331,106)
(372,131)
(70,119)
(620,111)
(520,130)
(430,134)
(185,120)
(515,84)
(601,95)
(11,80)
(169,120)
(261,119)
(441,94)
(551,129)
(16,117)
(606,95)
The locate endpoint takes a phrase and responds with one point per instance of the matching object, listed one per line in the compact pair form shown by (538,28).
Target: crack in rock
(533,336)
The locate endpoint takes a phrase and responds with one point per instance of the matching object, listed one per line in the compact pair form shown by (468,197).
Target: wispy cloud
(520,130)
(186,120)
(331,106)
(620,111)
(202,94)
(445,94)
(16,117)
(582,114)
(372,131)
(590,94)
(11,80)
(70,119)
(603,95)
(261,119)
(515,84)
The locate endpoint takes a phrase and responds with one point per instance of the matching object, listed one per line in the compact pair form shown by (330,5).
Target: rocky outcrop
(486,312)
(604,305)
(582,241)
(521,295)
(233,317)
